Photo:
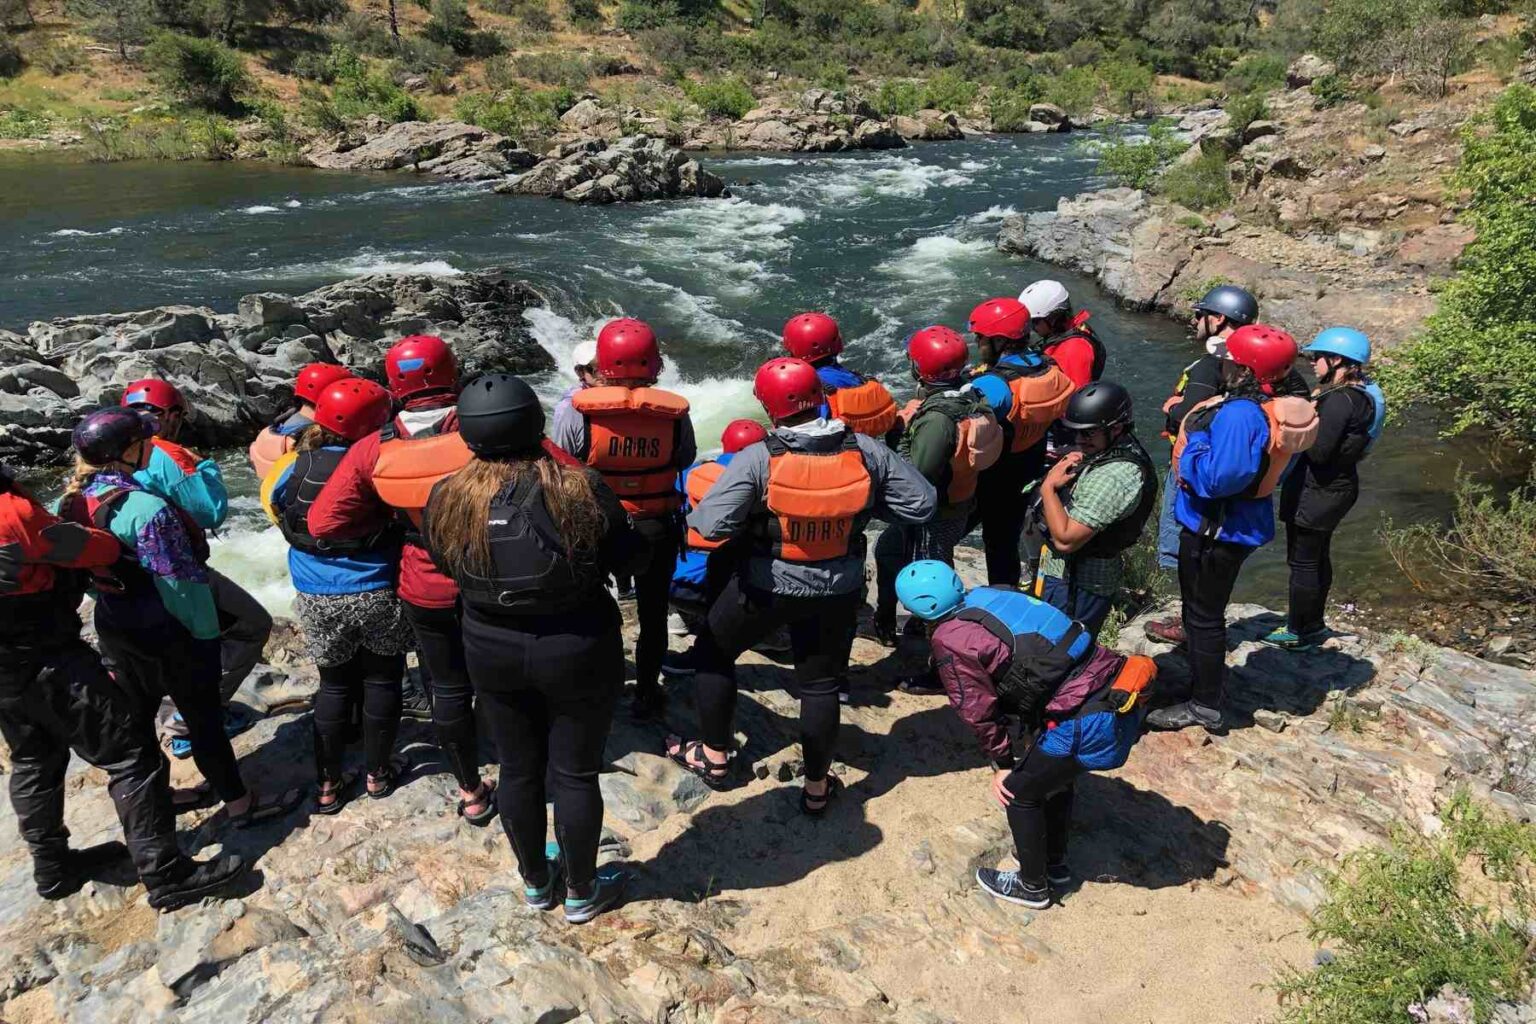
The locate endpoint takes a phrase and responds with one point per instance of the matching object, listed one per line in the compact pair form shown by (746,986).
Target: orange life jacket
(1040,397)
(408,467)
(978,444)
(814,500)
(700,479)
(268,447)
(1292,430)
(632,440)
(866,408)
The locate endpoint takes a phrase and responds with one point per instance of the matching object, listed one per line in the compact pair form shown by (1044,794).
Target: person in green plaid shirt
(1094,503)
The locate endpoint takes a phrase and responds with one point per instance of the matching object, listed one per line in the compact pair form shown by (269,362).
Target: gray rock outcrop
(443,149)
(630,169)
(236,369)
(1308,68)
(928,126)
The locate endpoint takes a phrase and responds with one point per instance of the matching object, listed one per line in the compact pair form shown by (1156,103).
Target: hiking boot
(56,880)
(1186,714)
(415,705)
(1010,888)
(1059,875)
(678,664)
(1283,639)
(603,894)
(207,878)
(543,897)
(1166,631)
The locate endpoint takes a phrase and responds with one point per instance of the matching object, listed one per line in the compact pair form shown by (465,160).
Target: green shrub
(639,15)
(1136,163)
(1074,90)
(21,123)
(897,96)
(1201,184)
(534,14)
(1330,91)
(1402,921)
(423,56)
(1129,83)
(553,68)
(359,92)
(525,115)
(584,13)
(1213,62)
(451,26)
(1243,110)
(1477,353)
(721,97)
(950,90)
(11,61)
(1257,72)
(198,138)
(201,73)
(361,33)
(59,57)
(1489,547)
(1009,108)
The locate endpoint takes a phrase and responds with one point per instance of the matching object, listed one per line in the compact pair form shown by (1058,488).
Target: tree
(199,72)
(16,14)
(1127,82)
(122,23)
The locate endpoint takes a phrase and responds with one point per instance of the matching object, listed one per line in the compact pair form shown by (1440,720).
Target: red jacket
(38,540)
(1075,357)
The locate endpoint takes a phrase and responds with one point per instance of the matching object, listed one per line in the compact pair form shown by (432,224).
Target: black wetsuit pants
(653,591)
(1307,552)
(440,646)
(371,681)
(1208,570)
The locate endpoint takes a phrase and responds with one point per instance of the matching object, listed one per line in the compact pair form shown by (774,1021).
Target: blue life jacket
(691,562)
(1046,643)
(1373,391)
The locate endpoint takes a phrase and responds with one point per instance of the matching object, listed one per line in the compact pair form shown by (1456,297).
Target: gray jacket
(899,493)
(568,432)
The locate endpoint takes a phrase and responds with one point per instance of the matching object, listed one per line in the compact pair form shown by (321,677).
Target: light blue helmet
(1341,341)
(929,589)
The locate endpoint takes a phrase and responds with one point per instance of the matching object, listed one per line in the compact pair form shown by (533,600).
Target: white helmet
(584,354)
(1045,297)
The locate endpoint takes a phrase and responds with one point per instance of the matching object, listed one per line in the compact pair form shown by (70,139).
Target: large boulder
(1049,114)
(928,126)
(236,369)
(444,149)
(632,169)
(1308,68)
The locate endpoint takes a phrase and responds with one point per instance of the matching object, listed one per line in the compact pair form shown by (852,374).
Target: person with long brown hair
(530,537)
(353,623)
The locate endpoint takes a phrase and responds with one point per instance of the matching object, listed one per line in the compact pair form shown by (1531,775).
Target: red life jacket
(632,439)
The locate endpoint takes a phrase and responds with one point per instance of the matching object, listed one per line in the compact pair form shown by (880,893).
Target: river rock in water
(630,169)
(443,149)
(236,369)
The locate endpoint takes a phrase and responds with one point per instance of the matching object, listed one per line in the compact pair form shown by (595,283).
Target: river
(888,242)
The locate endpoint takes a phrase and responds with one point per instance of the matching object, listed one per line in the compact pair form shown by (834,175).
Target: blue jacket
(197,489)
(691,562)
(996,390)
(356,572)
(833,376)
(1219,462)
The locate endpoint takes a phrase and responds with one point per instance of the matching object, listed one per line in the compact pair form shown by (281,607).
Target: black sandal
(834,786)
(201,795)
(690,754)
(340,789)
(390,775)
(268,806)
(485,817)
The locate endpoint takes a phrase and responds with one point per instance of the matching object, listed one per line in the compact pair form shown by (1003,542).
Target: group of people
(444,516)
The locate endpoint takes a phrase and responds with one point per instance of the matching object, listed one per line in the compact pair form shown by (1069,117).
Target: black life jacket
(311,470)
(126,596)
(1358,438)
(1046,644)
(1124,533)
(531,571)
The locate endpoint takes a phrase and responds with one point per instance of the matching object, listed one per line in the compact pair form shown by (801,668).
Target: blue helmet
(929,589)
(1341,341)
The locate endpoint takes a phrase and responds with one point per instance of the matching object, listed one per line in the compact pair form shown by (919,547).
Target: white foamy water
(82,233)
(863,181)
(255,555)
(259,209)
(293,204)
(723,242)
(991,215)
(937,257)
(372,263)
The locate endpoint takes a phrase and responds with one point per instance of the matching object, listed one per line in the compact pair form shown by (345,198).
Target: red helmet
(812,336)
(159,395)
(740,433)
(353,408)
(627,350)
(937,353)
(1000,318)
(786,386)
(422,362)
(1267,351)
(314,378)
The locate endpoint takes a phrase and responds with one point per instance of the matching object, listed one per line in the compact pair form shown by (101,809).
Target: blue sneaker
(607,890)
(543,897)
(1283,639)
(181,748)
(1009,887)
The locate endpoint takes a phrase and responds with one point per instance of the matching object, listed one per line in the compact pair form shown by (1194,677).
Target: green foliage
(950,90)
(11,61)
(1129,83)
(1477,354)
(1213,62)
(1136,163)
(897,96)
(721,97)
(1330,91)
(1243,110)
(197,138)
(1200,184)
(359,92)
(639,15)
(1074,90)
(584,14)
(553,68)
(1424,42)
(58,57)
(528,116)
(21,123)
(534,14)
(1256,72)
(1488,548)
(1009,109)
(202,73)
(451,26)
(1404,920)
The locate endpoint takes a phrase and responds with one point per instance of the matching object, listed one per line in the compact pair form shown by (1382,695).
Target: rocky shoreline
(236,369)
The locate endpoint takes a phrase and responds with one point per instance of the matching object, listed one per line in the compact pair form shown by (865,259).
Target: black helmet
(1102,403)
(106,433)
(499,414)
(1228,300)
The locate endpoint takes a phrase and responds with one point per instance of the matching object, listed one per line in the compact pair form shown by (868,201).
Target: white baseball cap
(584,354)
(1045,297)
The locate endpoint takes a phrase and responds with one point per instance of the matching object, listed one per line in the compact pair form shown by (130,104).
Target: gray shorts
(336,625)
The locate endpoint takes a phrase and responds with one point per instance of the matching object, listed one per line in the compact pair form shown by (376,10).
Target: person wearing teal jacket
(195,486)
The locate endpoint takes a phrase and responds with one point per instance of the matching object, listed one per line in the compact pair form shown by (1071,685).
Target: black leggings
(653,591)
(820,636)
(1040,813)
(1000,511)
(1207,572)
(549,685)
(62,700)
(372,680)
(167,661)
(440,646)
(1307,553)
